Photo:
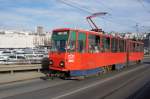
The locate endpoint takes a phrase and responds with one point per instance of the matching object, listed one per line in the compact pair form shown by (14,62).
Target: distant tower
(40,30)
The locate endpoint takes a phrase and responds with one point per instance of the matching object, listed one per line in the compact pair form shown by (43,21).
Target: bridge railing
(13,68)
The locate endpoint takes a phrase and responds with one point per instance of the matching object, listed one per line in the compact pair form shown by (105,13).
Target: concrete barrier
(148,55)
(13,68)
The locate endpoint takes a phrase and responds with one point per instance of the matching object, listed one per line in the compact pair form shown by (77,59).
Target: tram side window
(131,47)
(72,42)
(81,42)
(125,45)
(114,45)
(94,43)
(106,44)
(121,45)
(138,47)
(141,48)
(134,47)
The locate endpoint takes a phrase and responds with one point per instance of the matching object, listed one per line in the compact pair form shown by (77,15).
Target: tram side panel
(135,51)
(96,60)
(135,56)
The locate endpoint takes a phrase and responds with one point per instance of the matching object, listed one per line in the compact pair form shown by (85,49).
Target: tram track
(125,84)
(94,85)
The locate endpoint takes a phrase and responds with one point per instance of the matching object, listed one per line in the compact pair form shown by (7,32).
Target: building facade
(19,39)
(40,30)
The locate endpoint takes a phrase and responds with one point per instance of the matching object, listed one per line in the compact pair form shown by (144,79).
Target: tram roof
(69,29)
(93,32)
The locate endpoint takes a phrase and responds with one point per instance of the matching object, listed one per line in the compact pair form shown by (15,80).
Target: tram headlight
(51,62)
(62,64)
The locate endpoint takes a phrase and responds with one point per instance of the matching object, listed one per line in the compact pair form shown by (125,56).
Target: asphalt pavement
(130,83)
(19,76)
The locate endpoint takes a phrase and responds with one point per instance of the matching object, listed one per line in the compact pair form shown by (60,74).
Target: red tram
(80,53)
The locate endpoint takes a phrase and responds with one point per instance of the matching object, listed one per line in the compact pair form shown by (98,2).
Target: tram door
(71,49)
(81,48)
(76,48)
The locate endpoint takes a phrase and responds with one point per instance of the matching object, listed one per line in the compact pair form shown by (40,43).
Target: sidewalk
(7,78)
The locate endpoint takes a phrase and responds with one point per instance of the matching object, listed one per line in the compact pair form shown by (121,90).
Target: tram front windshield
(59,41)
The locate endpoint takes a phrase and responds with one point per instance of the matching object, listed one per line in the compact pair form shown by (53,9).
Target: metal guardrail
(23,61)
(13,68)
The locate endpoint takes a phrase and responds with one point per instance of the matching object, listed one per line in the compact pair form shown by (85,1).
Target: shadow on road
(146,62)
(142,93)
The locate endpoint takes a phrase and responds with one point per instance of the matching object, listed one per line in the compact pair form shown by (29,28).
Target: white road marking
(100,82)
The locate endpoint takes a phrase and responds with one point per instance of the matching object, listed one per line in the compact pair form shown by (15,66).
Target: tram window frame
(125,45)
(114,44)
(121,45)
(141,48)
(131,46)
(138,47)
(79,40)
(106,44)
(71,47)
(134,47)
(94,43)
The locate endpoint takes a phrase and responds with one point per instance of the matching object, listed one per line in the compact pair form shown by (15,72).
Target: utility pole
(149,43)
(137,30)
(137,27)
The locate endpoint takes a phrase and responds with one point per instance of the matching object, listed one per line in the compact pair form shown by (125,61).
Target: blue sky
(27,14)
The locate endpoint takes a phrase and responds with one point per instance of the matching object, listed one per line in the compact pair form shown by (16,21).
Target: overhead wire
(103,4)
(141,2)
(143,5)
(111,15)
(74,5)
(132,21)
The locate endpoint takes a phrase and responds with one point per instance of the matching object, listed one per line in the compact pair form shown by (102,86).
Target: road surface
(131,83)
